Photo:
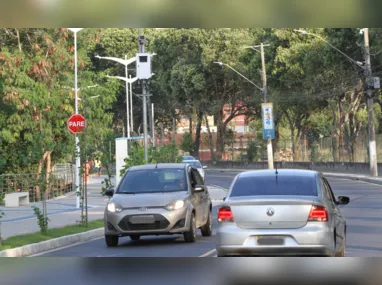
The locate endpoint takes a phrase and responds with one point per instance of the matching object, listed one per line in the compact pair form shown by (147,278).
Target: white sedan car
(197,165)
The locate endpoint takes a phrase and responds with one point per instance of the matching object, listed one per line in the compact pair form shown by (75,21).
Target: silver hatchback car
(158,199)
(281,212)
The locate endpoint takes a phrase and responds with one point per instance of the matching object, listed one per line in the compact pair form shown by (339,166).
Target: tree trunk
(210,139)
(197,134)
(18,39)
(39,170)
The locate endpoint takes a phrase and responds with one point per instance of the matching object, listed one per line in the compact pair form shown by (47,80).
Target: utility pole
(152,124)
(141,43)
(369,94)
(265,91)
(127,100)
(131,105)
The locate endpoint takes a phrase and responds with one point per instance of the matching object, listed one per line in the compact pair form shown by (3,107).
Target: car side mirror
(205,167)
(199,188)
(109,192)
(224,198)
(343,200)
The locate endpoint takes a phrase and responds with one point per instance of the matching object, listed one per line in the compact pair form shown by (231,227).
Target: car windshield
(187,157)
(194,163)
(153,181)
(272,185)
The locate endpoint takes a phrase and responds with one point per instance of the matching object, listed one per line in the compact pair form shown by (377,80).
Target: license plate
(270,240)
(142,219)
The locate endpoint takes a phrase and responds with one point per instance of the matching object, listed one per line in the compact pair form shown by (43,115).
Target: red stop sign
(76,124)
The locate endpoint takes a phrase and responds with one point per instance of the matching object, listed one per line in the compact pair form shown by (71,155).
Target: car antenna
(156,165)
(276,169)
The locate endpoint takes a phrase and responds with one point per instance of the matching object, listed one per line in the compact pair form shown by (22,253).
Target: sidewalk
(62,211)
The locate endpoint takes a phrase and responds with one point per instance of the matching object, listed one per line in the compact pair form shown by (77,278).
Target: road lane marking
(208,253)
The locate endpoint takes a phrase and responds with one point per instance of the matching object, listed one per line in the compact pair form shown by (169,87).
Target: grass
(17,241)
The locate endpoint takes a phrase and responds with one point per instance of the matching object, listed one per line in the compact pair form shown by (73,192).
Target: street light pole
(265,91)
(144,95)
(77,139)
(131,104)
(369,94)
(127,100)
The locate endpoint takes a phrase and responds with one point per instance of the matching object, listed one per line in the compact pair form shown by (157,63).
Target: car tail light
(318,214)
(225,214)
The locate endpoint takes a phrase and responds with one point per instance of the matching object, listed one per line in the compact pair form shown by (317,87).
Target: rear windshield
(283,185)
(193,163)
(153,181)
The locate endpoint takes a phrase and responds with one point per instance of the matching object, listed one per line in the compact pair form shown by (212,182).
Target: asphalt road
(363,214)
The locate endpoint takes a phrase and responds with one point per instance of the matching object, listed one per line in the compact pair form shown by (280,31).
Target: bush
(187,144)
(165,154)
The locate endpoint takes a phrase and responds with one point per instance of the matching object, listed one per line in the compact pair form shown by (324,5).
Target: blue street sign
(268,123)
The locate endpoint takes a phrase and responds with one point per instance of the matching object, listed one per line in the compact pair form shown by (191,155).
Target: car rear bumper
(311,250)
(314,239)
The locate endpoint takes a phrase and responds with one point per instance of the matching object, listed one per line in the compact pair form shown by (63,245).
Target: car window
(326,190)
(198,178)
(333,198)
(153,180)
(194,163)
(272,185)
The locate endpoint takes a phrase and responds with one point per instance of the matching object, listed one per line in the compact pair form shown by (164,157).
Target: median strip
(29,244)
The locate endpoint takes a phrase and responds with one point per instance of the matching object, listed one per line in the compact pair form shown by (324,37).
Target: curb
(41,247)
(377,181)
(355,178)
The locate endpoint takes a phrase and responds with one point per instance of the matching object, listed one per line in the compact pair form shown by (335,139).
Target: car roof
(158,166)
(283,172)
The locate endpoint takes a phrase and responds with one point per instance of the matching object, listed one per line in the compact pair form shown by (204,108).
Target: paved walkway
(62,211)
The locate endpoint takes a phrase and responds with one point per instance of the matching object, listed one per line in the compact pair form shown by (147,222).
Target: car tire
(135,237)
(207,228)
(111,241)
(343,248)
(190,236)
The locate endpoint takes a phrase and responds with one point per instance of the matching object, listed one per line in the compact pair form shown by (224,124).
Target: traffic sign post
(76,124)
(268,123)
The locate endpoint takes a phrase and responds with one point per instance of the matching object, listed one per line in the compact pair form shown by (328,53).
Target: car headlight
(176,205)
(113,207)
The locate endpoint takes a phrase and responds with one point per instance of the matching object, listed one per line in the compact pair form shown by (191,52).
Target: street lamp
(224,64)
(78,156)
(263,90)
(367,69)
(322,39)
(127,80)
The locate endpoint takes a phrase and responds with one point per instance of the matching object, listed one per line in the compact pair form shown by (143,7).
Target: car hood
(148,200)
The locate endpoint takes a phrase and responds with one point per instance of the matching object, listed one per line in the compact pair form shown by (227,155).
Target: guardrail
(335,167)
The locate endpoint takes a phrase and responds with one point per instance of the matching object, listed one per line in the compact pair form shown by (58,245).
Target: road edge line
(44,246)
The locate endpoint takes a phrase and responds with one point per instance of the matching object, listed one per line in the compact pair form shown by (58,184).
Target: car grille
(160,223)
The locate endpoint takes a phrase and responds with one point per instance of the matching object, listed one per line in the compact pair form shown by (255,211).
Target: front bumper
(165,222)
(314,239)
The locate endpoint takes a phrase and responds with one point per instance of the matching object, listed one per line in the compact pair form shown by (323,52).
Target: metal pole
(372,143)
(127,102)
(152,124)
(131,106)
(269,141)
(142,50)
(77,140)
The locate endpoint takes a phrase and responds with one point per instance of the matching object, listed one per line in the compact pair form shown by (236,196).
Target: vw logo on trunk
(270,212)
(142,209)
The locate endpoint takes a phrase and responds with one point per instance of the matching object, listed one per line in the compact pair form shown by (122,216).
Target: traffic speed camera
(143,66)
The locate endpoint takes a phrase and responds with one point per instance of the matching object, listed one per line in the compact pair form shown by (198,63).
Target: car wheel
(135,237)
(111,241)
(190,236)
(343,248)
(207,228)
